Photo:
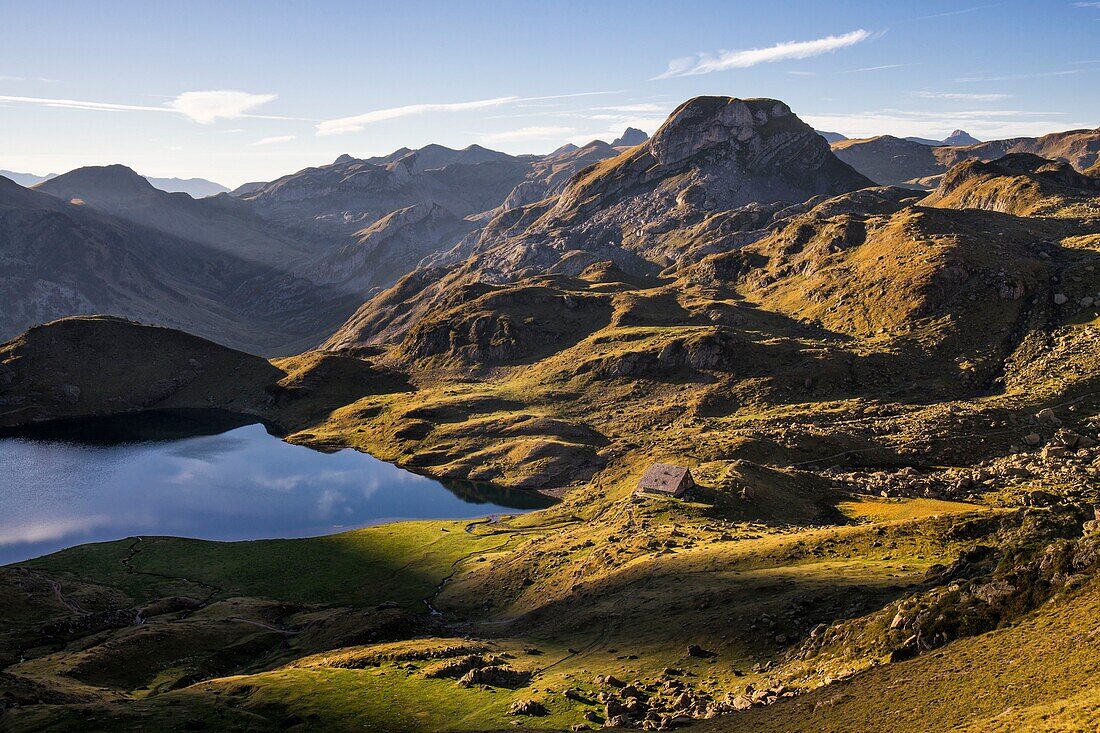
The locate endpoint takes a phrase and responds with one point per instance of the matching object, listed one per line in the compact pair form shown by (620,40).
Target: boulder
(528,707)
(1046,416)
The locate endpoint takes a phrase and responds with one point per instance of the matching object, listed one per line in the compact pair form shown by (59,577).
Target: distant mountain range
(195,187)
(277,266)
(958,137)
(273,268)
(890,160)
(26,179)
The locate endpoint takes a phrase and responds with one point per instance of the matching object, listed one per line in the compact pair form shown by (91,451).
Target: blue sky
(238,91)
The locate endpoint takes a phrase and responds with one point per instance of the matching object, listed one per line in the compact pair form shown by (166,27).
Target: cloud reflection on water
(241,484)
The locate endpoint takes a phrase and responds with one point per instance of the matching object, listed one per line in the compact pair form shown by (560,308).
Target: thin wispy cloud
(202,107)
(211,106)
(961,96)
(641,108)
(28,78)
(1086,5)
(356,123)
(789,50)
(881,67)
(538,132)
(1018,77)
(573,95)
(961,11)
(275,139)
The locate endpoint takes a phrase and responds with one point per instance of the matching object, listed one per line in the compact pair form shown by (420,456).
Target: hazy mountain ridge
(68,258)
(221,222)
(194,187)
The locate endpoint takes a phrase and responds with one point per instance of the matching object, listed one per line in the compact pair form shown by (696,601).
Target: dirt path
(262,625)
(127,562)
(454,570)
(55,586)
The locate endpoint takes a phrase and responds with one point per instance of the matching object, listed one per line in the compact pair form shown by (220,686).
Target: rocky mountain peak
(631,136)
(712,153)
(746,127)
(960,137)
(345,158)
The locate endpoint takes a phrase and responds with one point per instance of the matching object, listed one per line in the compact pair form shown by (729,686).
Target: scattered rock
(694,650)
(495,676)
(528,707)
(1046,416)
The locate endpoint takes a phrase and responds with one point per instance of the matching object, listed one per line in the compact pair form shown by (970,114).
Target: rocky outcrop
(502,325)
(551,174)
(712,153)
(1020,183)
(82,367)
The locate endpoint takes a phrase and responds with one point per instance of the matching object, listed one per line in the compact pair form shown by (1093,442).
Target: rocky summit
(754,432)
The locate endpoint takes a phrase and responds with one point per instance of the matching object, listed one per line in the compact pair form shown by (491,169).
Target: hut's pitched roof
(666,478)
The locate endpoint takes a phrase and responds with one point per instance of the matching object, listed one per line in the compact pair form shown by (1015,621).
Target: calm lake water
(206,476)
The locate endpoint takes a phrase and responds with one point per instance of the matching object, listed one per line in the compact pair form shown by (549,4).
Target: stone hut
(666,479)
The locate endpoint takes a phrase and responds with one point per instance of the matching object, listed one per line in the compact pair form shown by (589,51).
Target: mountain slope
(378,255)
(63,259)
(222,223)
(631,136)
(960,137)
(1021,184)
(194,187)
(84,366)
(550,174)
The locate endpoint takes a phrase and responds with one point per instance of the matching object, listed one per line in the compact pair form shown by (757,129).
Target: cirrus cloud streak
(204,107)
(357,123)
(726,60)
